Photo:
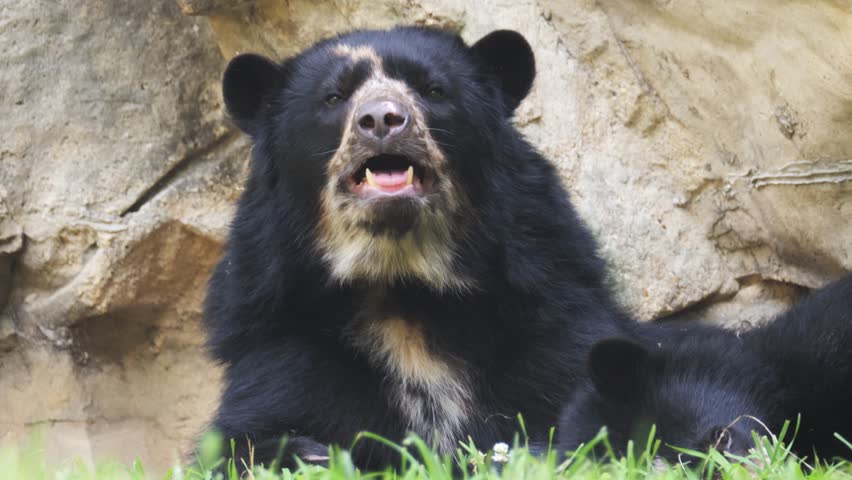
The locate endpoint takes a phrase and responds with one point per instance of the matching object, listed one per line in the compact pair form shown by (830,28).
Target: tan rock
(117,173)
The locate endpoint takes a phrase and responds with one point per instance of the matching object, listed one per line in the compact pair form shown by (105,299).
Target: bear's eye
(436,93)
(333,99)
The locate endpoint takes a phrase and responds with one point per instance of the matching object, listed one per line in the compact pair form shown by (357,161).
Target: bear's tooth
(409,176)
(370,180)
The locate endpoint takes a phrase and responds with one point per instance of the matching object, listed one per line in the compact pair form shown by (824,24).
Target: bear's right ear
(620,368)
(248,81)
(507,55)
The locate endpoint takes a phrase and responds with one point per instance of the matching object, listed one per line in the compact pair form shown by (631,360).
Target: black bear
(401,259)
(705,387)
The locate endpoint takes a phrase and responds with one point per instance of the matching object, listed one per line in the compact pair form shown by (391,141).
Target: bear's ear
(248,81)
(507,55)
(620,368)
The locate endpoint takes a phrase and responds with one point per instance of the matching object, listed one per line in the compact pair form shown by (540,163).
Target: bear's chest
(431,390)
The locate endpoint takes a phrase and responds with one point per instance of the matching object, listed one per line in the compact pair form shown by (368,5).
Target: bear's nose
(381,119)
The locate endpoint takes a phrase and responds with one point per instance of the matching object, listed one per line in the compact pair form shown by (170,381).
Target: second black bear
(401,258)
(705,387)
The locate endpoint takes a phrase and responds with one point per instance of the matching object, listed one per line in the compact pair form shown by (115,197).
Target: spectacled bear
(401,259)
(705,387)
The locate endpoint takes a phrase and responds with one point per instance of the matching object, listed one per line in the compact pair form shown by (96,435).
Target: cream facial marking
(358,53)
(427,250)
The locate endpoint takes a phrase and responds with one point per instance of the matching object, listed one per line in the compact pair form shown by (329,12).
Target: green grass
(770,458)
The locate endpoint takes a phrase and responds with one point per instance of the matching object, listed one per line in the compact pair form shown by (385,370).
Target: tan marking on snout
(428,250)
(441,400)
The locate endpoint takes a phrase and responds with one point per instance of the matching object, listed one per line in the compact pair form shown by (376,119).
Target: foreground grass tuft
(770,458)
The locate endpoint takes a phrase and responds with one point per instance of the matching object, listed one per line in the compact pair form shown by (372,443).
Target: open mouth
(389,175)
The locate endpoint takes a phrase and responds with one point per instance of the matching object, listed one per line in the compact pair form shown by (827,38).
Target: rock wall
(117,175)
(707,144)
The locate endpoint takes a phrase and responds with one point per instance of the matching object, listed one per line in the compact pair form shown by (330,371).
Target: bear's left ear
(620,368)
(246,87)
(508,57)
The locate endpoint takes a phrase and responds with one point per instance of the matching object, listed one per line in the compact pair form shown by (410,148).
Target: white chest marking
(433,395)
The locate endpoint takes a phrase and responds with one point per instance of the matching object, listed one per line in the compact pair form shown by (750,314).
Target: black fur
(275,316)
(700,385)
(809,348)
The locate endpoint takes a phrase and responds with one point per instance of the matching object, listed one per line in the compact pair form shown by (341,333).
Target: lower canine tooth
(370,180)
(409,175)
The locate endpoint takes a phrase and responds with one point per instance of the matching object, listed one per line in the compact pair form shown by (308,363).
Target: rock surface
(117,173)
(707,146)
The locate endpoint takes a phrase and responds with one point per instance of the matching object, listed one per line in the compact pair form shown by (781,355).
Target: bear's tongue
(390,180)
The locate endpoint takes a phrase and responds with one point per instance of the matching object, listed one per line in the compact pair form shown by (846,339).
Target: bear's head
(699,394)
(387,138)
